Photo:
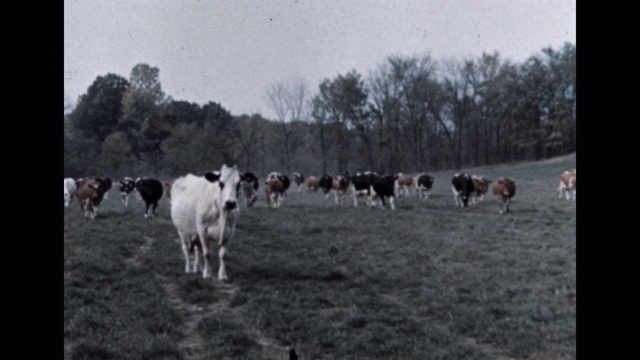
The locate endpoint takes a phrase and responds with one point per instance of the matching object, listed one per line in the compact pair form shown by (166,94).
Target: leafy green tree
(98,111)
(116,155)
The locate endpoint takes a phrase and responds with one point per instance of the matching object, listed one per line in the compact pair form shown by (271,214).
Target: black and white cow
(127,185)
(462,187)
(298,179)
(423,184)
(249,185)
(383,187)
(361,185)
(151,191)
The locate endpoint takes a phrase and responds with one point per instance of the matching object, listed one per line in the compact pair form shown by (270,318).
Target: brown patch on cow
(273,189)
(167,188)
(313,184)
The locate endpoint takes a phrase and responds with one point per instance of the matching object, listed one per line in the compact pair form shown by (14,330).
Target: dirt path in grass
(192,345)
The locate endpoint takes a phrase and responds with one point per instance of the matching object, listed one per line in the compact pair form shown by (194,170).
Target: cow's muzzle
(229,205)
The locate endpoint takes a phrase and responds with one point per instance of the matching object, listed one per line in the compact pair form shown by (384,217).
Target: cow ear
(212,177)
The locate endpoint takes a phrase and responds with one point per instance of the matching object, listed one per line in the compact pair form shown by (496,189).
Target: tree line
(410,114)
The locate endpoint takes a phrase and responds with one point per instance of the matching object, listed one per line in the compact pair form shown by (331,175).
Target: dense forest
(410,114)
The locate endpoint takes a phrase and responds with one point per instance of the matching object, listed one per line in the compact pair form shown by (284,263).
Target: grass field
(426,281)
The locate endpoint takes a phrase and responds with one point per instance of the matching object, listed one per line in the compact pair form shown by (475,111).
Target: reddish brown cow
(504,189)
(90,193)
(339,186)
(403,184)
(313,183)
(274,190)
(480,188)
(567,185)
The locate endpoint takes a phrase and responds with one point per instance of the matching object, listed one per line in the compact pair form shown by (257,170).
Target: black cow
(127,185)
(106,183)
(249,185)
(151,191)
(424,185)
(384,187)
(462,187)
(326,183)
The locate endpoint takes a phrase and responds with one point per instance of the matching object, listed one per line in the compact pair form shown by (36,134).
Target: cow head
(228,179)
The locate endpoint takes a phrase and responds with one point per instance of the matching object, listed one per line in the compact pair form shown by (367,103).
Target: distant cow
(106,182)
(249,185)
(567,185)
(168,185)
(273,189)
(204,209)
(504,189)
(403,184)
(90,193)
(383,187)
(339,186)
(151,191)
(462,187)
(298,179)
(361,185)
(313,184)
(127,185)
(423,184)
(480,188)
(286,182)
(326,184)
(69,190)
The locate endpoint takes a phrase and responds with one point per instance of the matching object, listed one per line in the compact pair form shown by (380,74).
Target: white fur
(198,209)
(69,190)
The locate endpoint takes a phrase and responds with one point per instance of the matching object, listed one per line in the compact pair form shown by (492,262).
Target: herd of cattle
(205,209)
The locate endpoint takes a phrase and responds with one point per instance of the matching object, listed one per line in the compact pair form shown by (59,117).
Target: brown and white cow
(339,186)
(313,184)
(274,190)
(504,188)
(403,184)
(480,188)
(567,185)
(90,193)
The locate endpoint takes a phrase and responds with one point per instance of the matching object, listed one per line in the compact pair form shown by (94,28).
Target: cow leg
(186,243)
(253,199)
(155,205)
(222,271)
(391,203)
(355,201)
(206,254)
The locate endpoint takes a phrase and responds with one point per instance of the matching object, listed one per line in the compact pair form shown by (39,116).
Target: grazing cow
(151,191)
(298,179)
(480,188)
(249,185)
(383,187)
(326,184)
(403,184)
(273,189)
(90,193)
(504,189)
(567,185)
(313,184)
(462,187)
(340,184)
(361,185)
(106,182)
(69,190)
(423,184)
(204,209)
(127,185)
(286,182)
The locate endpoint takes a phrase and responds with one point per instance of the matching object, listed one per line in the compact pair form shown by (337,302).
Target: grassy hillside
(426,281)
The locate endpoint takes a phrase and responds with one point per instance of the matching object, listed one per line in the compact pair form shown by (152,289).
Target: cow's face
(229,183)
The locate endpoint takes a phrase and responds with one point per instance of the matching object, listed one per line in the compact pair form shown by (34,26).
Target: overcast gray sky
(230,51)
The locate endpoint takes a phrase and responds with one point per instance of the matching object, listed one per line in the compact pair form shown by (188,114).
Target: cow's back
(192,203)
